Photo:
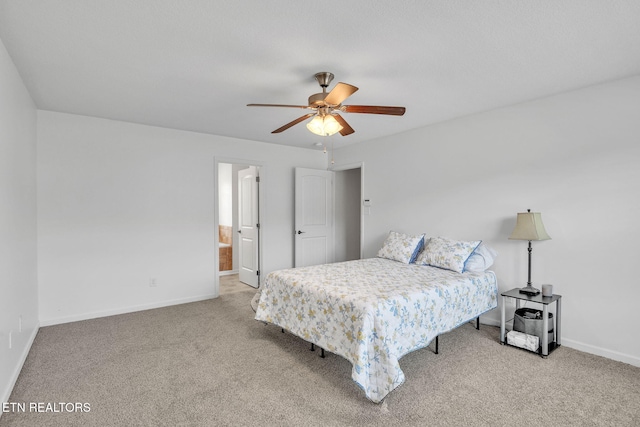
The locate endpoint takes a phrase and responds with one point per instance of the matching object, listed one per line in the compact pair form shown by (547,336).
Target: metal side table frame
(545,301)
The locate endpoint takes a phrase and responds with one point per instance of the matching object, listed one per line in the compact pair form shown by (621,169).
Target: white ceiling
(194,65)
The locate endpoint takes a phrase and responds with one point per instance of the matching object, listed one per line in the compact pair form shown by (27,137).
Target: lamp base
(529,290)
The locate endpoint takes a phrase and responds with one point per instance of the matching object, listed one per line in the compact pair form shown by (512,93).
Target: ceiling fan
(326,107)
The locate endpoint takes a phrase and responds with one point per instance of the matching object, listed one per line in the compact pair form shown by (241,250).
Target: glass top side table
(545,301)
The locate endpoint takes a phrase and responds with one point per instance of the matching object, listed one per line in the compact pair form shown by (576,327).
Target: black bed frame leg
(313,348)
(282,330)
(477,327)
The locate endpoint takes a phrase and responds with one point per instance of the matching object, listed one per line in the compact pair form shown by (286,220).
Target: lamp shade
(529,227)
(324,125)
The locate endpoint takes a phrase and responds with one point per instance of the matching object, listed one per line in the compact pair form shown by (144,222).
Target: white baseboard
(130,309)
(228,272)
(598,351)
(16,373)
(489,321)
(577,345)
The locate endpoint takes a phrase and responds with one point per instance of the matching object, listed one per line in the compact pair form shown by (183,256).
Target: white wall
(225,194)
(18,262)
(120,204)
(575,157)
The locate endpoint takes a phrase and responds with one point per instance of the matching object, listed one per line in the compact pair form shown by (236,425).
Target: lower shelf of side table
(552,346)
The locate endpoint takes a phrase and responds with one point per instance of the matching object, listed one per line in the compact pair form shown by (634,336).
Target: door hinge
(258,225)
(257,179)
(257,272)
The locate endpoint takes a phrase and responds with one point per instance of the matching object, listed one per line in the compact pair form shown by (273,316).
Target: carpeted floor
(210,364)
(230,283)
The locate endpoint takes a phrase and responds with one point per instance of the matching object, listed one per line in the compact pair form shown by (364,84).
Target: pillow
(447,253)
(481,259)
(401,247)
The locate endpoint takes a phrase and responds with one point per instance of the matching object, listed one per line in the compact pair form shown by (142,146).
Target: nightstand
(546,347)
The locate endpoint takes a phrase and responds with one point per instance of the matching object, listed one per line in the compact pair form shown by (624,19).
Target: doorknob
(300,232)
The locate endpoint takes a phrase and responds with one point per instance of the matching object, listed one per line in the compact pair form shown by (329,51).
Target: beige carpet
(210,364)
(230,284)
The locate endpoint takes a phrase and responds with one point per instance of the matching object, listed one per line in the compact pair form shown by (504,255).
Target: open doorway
(227,211)
(238,234)
(348,213)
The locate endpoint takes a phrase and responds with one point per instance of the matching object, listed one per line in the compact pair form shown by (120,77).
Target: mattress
(374,311)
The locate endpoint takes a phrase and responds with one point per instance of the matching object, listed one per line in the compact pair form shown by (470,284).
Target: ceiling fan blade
(339,93)
(346,129)
(278,105)
(373,109)
(295,122)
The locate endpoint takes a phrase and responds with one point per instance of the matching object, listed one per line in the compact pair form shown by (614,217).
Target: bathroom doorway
(234,237)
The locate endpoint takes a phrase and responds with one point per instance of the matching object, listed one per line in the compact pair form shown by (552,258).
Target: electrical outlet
(152,282)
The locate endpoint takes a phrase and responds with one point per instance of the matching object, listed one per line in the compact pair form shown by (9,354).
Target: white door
(313,217)
(248,226)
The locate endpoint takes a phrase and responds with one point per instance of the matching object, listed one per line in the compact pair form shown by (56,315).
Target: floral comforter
(374,311)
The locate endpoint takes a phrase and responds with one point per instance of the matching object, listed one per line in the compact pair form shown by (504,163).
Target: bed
(374,311)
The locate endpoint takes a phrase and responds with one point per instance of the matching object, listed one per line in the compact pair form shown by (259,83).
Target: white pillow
(401,247)
(447,253)
(481,259)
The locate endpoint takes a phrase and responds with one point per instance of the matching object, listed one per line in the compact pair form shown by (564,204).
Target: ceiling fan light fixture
(327,106)
(325,125)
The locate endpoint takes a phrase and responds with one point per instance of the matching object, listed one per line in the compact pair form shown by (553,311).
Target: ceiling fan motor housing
(317,99)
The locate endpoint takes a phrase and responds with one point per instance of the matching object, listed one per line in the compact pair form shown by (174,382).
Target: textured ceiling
(194,65)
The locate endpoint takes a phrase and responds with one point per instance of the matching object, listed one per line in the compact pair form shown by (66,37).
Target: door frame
(356,165)
(216,213)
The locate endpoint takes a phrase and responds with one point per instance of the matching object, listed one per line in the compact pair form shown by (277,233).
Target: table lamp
(529,227)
